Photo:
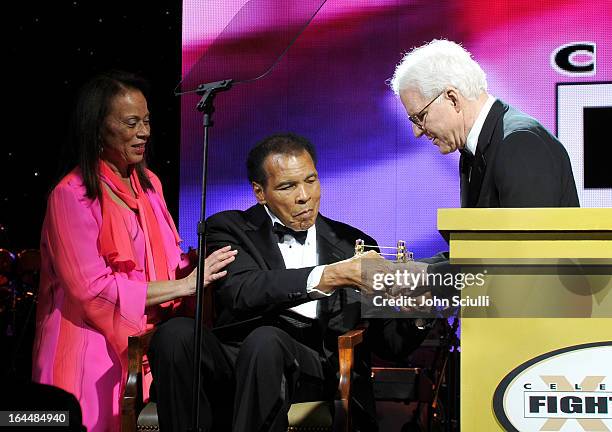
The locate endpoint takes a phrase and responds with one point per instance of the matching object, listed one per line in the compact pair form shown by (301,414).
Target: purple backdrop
(331,88)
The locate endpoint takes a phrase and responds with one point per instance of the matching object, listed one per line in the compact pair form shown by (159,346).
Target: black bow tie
(282,230)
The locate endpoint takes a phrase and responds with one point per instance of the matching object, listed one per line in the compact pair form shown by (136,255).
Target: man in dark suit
(508,159)
(291,291)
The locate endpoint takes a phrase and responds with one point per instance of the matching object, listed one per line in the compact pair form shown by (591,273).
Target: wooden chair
(133,414)
(420,385)
(303,417)
(425,383)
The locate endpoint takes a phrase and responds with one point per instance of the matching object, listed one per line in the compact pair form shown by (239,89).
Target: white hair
(436,65)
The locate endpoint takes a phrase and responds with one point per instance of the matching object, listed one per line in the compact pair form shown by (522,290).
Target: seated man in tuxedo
(291,291)
(283,302)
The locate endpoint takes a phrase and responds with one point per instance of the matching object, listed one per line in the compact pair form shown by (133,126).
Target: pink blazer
(86,310)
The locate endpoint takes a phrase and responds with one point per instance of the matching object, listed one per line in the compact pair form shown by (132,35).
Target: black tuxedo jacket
(518,163)
(258,289)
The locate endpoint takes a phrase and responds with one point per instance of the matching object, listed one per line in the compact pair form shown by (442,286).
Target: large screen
(550,59)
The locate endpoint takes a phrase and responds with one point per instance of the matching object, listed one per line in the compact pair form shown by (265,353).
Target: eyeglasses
(417,119)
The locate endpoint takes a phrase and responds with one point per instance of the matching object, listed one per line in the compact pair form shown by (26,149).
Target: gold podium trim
(525,219)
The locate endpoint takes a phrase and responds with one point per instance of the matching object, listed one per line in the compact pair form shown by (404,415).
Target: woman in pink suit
(111,264)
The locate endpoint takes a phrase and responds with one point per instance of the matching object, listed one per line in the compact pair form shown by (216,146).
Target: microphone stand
(206,107)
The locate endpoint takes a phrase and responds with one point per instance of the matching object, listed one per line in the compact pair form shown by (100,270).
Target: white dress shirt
(297,255)
(472,138)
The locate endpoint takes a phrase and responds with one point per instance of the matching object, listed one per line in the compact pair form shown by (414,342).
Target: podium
(539,356)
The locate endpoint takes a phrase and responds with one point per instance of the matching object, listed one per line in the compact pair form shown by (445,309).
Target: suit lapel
(328,245)
(479,163)
(260,232)
(330,250)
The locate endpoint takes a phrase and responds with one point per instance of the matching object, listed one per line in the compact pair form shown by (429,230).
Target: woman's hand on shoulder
(215,262)
(161,291)
(213,265)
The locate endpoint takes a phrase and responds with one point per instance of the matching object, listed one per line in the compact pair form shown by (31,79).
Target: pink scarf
(115,241)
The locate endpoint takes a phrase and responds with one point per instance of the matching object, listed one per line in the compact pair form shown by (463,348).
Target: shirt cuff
(314,278)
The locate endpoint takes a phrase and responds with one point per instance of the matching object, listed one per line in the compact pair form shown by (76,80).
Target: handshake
(374,275)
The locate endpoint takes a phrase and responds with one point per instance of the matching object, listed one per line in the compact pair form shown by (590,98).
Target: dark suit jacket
(518,163)
(258,288)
